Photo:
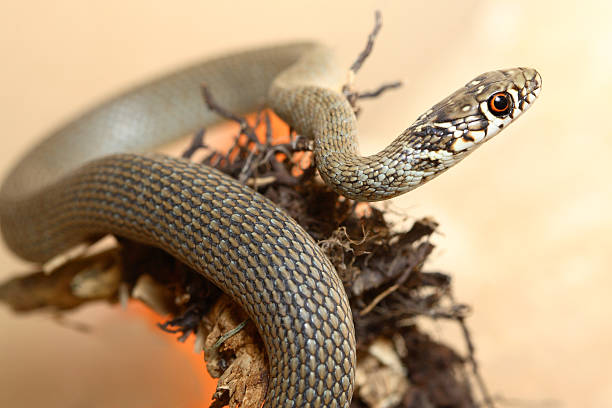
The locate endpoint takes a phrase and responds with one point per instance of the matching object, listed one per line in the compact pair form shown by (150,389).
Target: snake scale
(96,175)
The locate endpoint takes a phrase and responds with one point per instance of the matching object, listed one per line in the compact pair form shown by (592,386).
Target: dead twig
(196,143)
(378,91)
(363,55)
(486,395)
(380,268)
(212,105)
(351,94)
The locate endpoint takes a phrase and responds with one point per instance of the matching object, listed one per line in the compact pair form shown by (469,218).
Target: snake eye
(500,104)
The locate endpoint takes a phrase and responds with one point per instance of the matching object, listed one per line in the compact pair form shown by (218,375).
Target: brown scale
(86,180)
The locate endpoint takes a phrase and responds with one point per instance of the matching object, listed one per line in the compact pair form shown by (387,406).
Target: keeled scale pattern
(236,238)
(320,113)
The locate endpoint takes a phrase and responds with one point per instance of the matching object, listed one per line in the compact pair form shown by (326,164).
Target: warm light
(186,348)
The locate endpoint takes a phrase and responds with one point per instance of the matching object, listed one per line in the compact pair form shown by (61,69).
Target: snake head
(479,110)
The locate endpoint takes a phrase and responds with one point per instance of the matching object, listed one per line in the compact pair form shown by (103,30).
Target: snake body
(96,176)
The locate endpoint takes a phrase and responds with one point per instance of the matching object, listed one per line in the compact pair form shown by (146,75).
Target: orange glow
(196,359)
(279,131)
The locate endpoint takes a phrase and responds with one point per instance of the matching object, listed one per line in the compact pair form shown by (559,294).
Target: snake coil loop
(92,177)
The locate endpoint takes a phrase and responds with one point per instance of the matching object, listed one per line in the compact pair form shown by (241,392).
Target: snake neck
(326,117)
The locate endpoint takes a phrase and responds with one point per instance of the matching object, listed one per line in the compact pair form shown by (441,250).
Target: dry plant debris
(382,270)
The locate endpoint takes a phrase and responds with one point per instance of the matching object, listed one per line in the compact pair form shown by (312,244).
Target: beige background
(525,221)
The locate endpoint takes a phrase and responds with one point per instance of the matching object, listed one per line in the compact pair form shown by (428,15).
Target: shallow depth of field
(525,221)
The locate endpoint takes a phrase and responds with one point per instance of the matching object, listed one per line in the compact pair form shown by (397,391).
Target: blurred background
(525,221)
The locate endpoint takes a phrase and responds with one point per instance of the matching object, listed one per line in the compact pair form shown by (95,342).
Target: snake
(100,174)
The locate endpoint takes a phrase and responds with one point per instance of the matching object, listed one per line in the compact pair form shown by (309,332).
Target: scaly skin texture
(93,177)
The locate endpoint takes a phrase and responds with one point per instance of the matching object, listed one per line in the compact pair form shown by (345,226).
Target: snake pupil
(500,104)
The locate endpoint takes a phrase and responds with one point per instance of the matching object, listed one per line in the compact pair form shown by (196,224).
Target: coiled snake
(93,177)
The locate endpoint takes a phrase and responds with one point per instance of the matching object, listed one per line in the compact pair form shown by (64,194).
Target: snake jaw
(85,180)
(521,87)
(465,116)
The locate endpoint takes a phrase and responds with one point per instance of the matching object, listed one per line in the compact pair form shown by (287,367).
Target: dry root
(381,268)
